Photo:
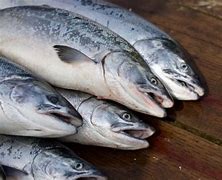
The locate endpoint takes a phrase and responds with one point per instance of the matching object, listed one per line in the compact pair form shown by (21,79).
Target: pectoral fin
(70,55)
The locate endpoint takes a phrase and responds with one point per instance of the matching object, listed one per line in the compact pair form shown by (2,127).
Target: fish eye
(53,99)
(154,81)
(183,66)
(78,166)
(126,116)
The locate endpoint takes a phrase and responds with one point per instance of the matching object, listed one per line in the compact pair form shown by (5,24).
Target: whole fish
(106,124)
(72,52)
(166,58)
(30,107)
(2,173)
(43,159)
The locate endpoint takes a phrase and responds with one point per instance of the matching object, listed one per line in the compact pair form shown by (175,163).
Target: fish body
(165,57)
(106,124)
(43,159)
(31,107)
(72,52)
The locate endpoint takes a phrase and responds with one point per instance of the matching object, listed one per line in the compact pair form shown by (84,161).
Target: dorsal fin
(70,55)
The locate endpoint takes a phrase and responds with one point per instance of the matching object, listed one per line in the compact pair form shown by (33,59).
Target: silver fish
(106,124)
(166,58)
(30,107)
(43,159)
(74,53)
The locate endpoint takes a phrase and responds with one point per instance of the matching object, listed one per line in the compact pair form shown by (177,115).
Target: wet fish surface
(31,107)
(166,58)
(41,159)
(106,124)
(75,53)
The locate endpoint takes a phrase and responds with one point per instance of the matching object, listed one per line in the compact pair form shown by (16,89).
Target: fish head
(62,164)
(172,65)
(135,85)
(39,103)
(117,127)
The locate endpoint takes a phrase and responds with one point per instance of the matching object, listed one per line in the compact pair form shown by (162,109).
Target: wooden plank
(201,35)
(174,154)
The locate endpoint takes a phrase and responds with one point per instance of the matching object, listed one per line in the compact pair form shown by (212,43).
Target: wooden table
(188,142)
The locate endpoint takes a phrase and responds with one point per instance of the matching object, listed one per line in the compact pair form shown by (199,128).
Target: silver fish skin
(44,159)
(31,107)
(106,124)
(75,53)
(166,58)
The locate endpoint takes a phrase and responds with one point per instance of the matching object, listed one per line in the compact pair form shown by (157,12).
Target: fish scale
(67,30)
(43,159)
(7,70)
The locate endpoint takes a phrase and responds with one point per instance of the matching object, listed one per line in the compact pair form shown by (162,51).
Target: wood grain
(188,142)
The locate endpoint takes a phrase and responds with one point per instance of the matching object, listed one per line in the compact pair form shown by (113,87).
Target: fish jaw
(64,118)
(164,100)
(180,87)
(167,103)
(133,137)
(140,101)
(95,175)
(55,127)
(67,114)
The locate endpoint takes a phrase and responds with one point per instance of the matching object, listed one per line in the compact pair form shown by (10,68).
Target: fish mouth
(67,118)
(137,133)
(154,102)
(134,137)
(191,91)
(90,176)
(143,101)
(153,107)
(165,102)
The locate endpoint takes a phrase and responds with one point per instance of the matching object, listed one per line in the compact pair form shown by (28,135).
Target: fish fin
(70,55)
